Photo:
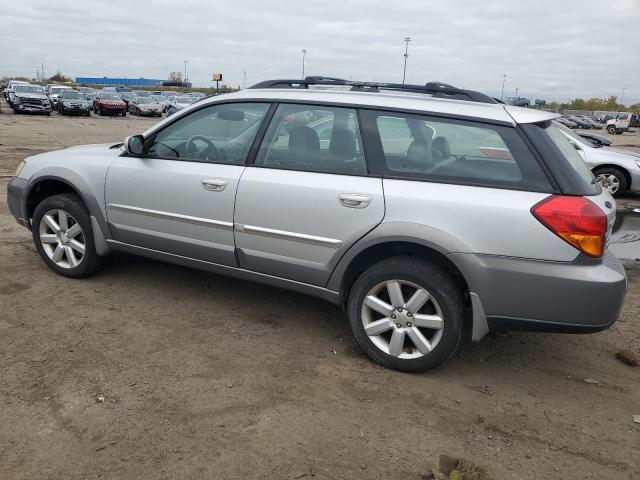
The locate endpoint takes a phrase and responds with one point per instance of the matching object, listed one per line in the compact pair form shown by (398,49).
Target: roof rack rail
(436,89)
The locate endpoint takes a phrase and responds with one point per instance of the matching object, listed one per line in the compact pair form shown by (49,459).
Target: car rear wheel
(407,314)
(63,236)
(613,180)
(611,129)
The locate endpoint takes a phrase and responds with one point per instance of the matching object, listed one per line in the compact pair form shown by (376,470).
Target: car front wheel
(612,180)
(63,236)
(407,314)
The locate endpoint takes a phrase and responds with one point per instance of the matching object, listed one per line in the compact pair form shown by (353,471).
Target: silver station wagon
(430,214)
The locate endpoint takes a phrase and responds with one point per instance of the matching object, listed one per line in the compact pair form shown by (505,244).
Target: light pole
(304,54)
(244,79)
(406,55)
(622,96)
(184,80)
(504,79)
(516,92)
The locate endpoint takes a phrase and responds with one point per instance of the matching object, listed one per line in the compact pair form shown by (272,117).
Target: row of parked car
(24,97)
(615,125)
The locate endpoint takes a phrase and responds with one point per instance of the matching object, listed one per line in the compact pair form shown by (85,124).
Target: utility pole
(406,55)
(622,96)
(504,79)
(43,77)
(304,54)
(244,79)
(516,92)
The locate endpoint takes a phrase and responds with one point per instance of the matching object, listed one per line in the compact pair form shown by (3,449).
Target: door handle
(354,200)
(214,184)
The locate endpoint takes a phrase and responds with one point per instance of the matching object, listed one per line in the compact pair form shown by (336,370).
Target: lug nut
(400,309)
(399,325)
(408,324)
(409,314)
(393,316)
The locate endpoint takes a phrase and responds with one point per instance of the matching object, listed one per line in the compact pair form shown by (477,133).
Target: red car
(109,102)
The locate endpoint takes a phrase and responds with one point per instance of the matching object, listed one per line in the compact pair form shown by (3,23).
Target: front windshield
(143,100)
(72,94)
(187,100)
(56,90)
(86,90)
(109,96)
(28,89)
(157,98)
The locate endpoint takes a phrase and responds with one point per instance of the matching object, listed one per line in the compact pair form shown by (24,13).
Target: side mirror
(134,145)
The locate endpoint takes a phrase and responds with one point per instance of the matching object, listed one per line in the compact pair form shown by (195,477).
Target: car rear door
(308,196)
(179,197)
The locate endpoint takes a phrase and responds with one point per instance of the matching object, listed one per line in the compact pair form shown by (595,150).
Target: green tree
(59,77)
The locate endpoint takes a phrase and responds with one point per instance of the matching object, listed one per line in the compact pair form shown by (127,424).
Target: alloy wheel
(62,238)
(402,319)
(610,182)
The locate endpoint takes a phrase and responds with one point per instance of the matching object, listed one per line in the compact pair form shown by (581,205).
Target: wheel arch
(47,185)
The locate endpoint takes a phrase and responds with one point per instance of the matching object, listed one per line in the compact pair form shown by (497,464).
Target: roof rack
(436,89)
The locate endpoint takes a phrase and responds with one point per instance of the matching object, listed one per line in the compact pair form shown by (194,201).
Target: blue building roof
(139,82)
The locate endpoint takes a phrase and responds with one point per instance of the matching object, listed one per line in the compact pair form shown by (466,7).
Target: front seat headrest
(303,142)
(343,144)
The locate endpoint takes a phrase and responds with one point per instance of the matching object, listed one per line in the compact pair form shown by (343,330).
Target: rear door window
(455,151)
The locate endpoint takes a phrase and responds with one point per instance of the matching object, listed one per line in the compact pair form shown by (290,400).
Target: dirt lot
(207,377)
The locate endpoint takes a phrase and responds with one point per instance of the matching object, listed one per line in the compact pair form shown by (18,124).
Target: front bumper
(75,110)
(31,107)
(16,199)
(568,297)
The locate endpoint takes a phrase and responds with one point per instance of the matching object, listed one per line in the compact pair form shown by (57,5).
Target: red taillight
(576,220)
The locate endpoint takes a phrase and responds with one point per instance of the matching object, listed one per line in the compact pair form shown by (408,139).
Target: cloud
(548,49)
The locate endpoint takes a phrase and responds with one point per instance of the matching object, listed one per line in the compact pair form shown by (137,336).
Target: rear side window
(315,139)
(455,151)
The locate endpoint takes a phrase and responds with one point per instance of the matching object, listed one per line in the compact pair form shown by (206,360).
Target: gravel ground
(149,371)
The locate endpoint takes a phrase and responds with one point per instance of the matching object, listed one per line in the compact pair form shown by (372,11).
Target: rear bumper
(16,195)
(520,294)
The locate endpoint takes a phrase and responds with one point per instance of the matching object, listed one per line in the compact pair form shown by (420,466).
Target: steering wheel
(210,149)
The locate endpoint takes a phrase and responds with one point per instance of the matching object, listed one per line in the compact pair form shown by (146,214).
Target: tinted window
(313,138)
(455,151)
(216,134)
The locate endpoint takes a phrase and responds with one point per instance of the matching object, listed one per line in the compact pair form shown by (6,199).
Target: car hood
(30,95)
(624,153)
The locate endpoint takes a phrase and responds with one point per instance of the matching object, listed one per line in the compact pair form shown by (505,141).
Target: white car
(617,170)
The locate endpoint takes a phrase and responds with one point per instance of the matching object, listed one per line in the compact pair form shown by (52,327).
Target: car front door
(308,196)
(178,198)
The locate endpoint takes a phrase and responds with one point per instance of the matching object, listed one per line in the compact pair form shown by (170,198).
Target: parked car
(594,125)
(161,100)
(145,106)
(617,170)
(582,123)
(126,97)
(73,102)
(54,94)
(598,140)
(623,123)
(421,226)
(11,86)
(179,102)
(117,90)
(566,122)
(109,103)
(89,93)
(197,95)
(29,98)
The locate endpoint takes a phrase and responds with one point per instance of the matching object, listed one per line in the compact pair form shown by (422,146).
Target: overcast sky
(553,49)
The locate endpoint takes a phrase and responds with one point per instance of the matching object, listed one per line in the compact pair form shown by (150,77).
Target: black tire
(48,114)
(611,130)
(442,288)
(623,185)
(73,205)
(124,113)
